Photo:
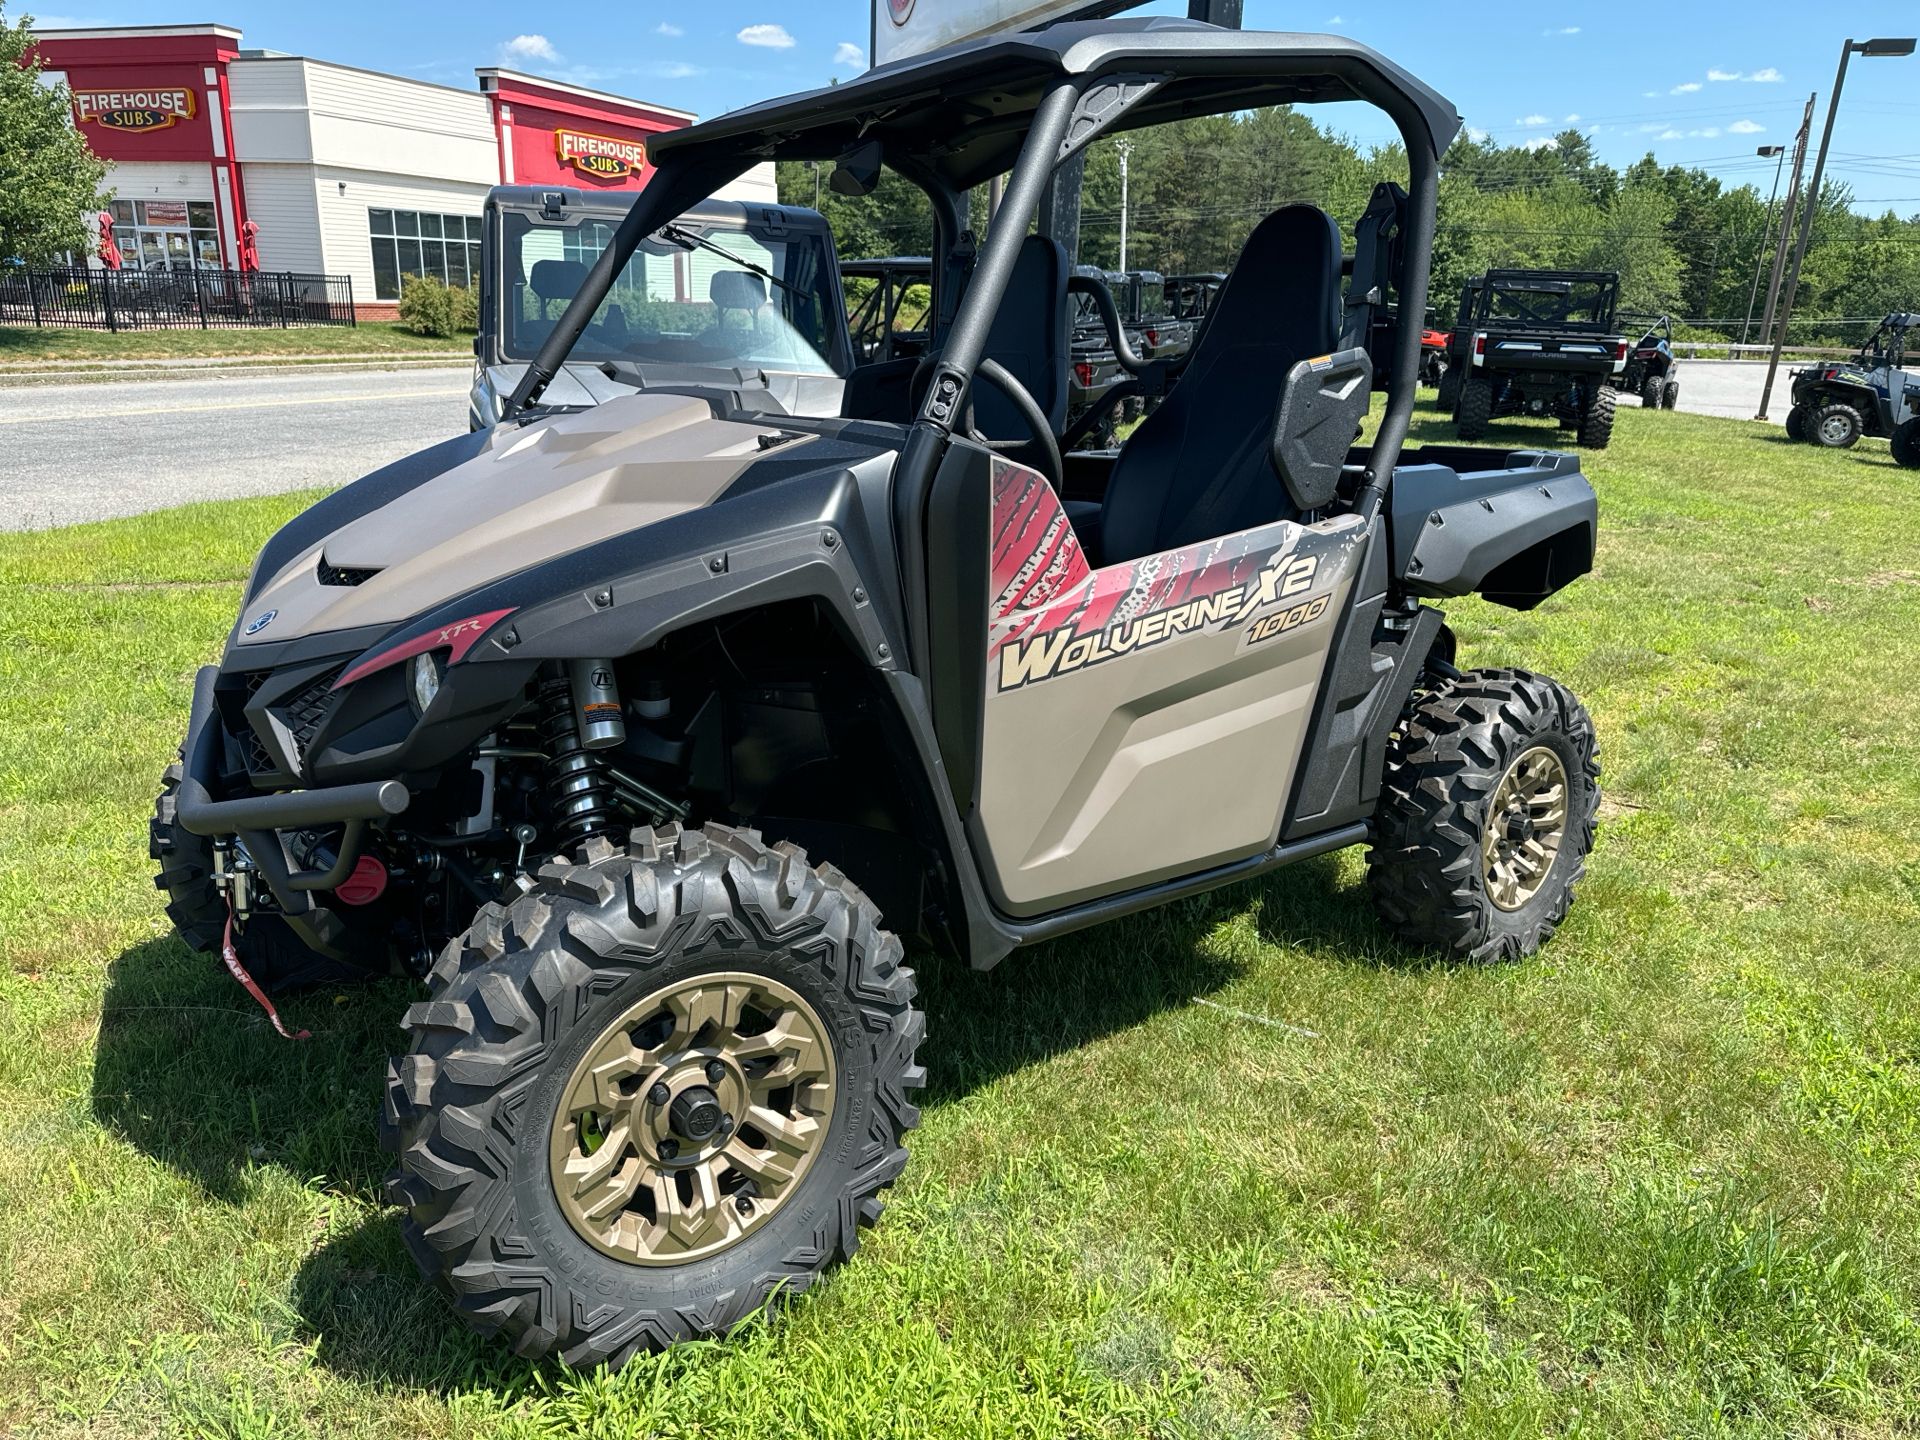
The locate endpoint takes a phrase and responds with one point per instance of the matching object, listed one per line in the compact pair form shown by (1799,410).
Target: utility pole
(1766,232)
(1874,49)
(1125,148)
(1786,222)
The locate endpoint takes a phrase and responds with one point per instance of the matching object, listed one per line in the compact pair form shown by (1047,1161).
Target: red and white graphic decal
(456,639)
(1051,614)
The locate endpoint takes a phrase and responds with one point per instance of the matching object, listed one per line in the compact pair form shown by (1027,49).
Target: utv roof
(964,109)
(535,197)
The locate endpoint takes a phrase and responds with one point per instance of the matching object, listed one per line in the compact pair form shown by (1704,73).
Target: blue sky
(1697,82)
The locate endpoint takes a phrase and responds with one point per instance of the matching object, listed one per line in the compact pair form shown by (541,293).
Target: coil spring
(580,795)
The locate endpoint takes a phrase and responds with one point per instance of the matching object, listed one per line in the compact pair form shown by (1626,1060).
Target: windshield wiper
(691,239)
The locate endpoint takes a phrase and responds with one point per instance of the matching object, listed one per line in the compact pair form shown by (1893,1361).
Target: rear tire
(1905,442)
(1596,418)
(1670,395)
(677,929)
(1797,424)
(1437,877)
(1650,393)
(1449,396)
(1836,427)
(1476,408)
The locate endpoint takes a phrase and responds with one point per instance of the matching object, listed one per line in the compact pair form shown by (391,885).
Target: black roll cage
(1126,66)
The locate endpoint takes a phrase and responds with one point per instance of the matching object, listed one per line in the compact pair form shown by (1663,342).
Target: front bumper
(256,819)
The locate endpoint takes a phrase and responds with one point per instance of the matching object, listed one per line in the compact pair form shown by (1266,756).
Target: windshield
(708,295)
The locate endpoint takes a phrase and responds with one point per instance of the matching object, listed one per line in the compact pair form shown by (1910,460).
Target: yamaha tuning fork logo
(260,622)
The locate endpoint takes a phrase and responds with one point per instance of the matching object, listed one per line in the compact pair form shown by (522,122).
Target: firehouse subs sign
(133,109)
(604,157)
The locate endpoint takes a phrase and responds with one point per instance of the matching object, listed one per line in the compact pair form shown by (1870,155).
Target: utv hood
(530,495)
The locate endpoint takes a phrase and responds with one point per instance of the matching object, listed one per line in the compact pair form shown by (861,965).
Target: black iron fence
(199,299)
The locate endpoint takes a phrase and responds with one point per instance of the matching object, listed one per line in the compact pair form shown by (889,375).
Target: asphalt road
(1731,388)
(70,453)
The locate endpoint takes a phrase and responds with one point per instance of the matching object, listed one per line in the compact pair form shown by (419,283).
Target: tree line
(1684,242)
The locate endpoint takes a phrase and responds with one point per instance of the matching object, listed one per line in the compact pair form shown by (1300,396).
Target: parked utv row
(647,725)
(1874,393)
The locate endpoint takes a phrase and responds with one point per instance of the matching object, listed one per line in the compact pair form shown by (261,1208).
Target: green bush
(430,306)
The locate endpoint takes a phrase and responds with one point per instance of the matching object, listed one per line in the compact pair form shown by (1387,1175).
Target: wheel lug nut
(726,1125)
(669,1148)
(743,1203)
(659,1094)
(716,1072)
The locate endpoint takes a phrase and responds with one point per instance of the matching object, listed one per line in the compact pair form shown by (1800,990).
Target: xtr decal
(1053,615)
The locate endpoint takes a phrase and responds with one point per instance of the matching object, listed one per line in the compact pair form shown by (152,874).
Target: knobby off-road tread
(502,995)
(1424,869)
(1670,395)
(1905,444)
(193,903)
(1651,392)
(1596,421)
(1797,423)
(1817,424)
(1476,408)
(1449,389)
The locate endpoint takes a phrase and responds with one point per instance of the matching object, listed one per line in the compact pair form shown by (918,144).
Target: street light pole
(1878,48)
(1125,148)
(1766,230)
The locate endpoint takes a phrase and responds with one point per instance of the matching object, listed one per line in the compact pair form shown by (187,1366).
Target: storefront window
(408,242)
(166,234)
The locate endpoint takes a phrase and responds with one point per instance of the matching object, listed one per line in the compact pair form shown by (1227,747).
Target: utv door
(1107,728)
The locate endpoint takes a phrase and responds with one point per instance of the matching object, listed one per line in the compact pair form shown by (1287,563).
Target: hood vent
(342,574)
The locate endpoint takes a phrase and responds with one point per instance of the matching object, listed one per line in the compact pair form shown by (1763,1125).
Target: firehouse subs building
(232,157)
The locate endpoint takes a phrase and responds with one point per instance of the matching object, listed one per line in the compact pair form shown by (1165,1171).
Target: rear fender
(1515,535)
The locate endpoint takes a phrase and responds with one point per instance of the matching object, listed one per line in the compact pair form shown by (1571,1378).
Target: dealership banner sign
(133,109)
(604,157)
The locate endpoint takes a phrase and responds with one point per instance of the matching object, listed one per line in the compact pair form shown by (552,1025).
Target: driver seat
(1200,466)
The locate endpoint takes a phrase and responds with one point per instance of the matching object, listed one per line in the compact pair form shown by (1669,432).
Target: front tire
(1836,427)
(1486,815)
(1670,395)
(559,1185)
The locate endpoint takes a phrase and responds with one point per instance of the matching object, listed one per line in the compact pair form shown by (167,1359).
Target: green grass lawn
(20,346)
(1658,1180)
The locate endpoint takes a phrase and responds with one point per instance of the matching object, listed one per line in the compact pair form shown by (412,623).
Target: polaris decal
(1052,615)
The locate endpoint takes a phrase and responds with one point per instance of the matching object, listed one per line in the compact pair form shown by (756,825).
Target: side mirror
(857,171)
(1320,411)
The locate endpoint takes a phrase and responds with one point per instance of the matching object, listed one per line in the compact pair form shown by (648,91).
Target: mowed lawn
(1237,1168)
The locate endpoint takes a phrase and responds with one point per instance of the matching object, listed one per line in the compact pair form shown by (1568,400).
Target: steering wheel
(1040,432)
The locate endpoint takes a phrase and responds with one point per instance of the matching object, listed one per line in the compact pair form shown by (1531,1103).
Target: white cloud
(1653,129)
(1650,94)
(1573,119)
(770,37)
(530,47)
(675,70)
(1336,19)
(1711,132)
(1534,120)
(671,31)
(1686,89)
(1478,136)
(847,53)
(1540,142)
(1745,127)
(1768,76)
(1717,75)
(1563,30)
(1670,134)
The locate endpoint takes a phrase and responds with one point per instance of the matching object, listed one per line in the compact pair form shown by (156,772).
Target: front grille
(343,574)
(260,760)
(307,708)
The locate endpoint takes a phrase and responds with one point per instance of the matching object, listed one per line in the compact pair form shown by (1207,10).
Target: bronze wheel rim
(692,1118)
(1525,825)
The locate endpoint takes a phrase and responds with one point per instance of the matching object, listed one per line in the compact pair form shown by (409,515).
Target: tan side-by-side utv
(647,733)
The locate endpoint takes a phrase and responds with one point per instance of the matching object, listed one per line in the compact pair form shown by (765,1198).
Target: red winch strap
(231,958)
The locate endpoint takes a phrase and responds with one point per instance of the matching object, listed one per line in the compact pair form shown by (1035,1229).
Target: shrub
(429,306)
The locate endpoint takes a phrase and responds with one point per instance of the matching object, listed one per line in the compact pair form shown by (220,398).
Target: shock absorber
(580,794)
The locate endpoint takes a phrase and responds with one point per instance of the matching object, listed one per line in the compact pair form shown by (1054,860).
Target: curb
(124,374)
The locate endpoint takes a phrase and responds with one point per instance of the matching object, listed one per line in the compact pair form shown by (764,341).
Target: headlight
(423,680)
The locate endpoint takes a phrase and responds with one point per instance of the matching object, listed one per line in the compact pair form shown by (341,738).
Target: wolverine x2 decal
(1052,615)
